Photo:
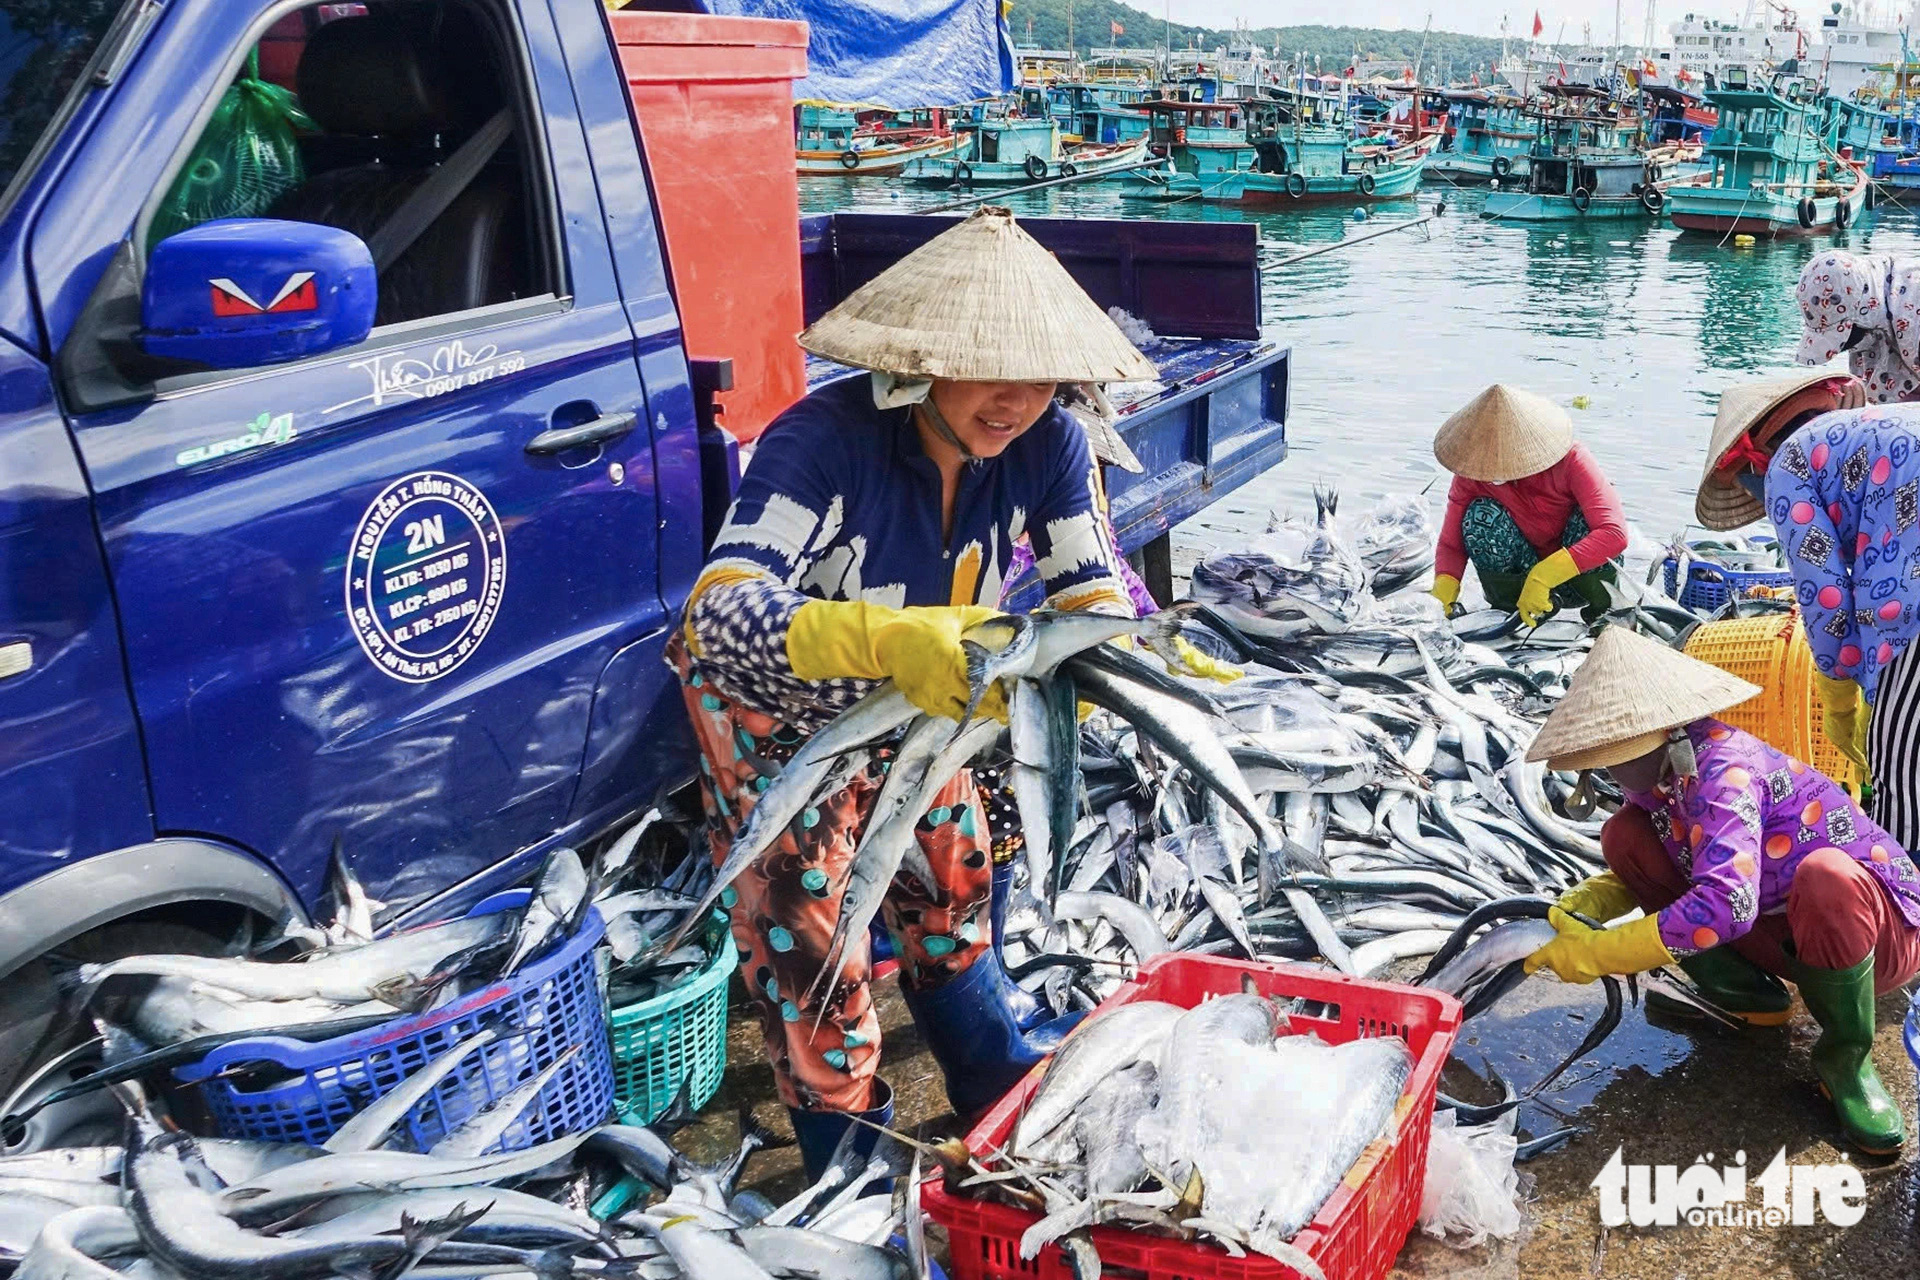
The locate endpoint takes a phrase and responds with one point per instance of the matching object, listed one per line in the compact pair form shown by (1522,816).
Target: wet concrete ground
(1666,1091)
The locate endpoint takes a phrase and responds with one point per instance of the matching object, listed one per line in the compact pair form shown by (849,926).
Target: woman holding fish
(1528,506)
(1749,865)
(872,530)
(1840,480)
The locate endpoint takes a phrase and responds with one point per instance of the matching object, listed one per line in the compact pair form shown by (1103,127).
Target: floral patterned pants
(784,906)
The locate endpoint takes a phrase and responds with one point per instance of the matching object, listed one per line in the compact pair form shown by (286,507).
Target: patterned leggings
(1499,550)
(785,904)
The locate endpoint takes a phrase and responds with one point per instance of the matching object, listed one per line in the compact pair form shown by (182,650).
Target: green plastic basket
(679,1035)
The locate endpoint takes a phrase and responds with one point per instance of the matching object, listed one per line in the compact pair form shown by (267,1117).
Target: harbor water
(1639,324)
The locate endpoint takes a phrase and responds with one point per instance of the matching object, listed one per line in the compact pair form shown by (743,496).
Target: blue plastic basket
(537,1015)
(1709,586)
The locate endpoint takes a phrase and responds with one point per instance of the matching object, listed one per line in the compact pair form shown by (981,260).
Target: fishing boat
(1277,153)
(1583,163)
(1774,169)
(1491,138)
(1012,151)
(1866,135)
(834,142)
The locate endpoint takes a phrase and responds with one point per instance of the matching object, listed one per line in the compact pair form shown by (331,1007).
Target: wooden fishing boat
(1275,154)
(1491,138)
(1772,174)
(1014,152)
(1587,162)
(834,142)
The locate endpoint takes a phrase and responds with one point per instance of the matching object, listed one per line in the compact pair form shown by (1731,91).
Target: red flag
(1476,79)
(1538,26)
(1116,28)
(1349,73)
(1563,73)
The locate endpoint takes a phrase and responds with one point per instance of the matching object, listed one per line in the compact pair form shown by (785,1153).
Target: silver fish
(485,1128)
(557,896)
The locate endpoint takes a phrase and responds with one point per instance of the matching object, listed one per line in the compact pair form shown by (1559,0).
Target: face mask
(1754,484)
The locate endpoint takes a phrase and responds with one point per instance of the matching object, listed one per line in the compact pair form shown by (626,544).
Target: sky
(1476,17)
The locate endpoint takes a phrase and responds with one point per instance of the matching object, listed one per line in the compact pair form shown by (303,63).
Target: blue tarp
(895,53)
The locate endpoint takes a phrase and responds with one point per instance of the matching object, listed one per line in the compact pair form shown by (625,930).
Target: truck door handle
(609,426)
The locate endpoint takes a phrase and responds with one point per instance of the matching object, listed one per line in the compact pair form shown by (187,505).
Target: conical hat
(980,302)
(1504,433)
(1721,503)
(1624,697)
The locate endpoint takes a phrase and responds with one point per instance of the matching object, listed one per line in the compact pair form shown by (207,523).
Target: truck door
(367,595)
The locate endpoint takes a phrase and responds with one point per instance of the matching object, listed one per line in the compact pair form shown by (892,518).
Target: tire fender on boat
(962,174)
(1296,185)
(1501,166)
(1809,211)
(1842,214)
(1036,167)
(1367,184)
(1581,198)
(849,159)
(1653,198)
(1068,169)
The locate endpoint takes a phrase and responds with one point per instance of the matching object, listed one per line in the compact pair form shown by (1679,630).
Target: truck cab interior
(394,98)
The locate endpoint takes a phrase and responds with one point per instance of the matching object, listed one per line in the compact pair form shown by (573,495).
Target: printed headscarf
(1844,497)
(1877,294)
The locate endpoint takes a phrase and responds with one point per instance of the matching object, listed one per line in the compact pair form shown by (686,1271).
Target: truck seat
(379,84)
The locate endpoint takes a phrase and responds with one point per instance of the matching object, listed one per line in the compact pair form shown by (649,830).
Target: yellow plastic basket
(1772,652)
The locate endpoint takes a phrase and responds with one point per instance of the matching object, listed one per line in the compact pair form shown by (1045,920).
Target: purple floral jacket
(1741,826)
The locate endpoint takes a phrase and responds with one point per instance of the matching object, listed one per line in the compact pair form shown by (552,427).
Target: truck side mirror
(239,292)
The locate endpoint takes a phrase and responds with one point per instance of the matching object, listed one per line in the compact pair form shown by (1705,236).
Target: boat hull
(1715,212)
(1521,206)
(879,161)
(1274,190)
(948,172)
(1460,168)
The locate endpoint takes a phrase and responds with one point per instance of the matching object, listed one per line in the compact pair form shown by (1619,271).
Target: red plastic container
(1359,1230)
(714,98)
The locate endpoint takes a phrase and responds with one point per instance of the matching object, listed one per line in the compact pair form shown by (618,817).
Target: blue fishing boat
(1489,137)
(1278,154)
(832,141)
(1012,151)
(1585,163)
(1775,170)
(1865,134)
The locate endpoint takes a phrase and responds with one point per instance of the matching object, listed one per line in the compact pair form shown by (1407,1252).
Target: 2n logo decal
(297,294)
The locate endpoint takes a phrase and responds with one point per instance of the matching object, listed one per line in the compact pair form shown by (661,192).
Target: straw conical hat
(1624,698)
(1504,433)
(1721,503)
(981,302)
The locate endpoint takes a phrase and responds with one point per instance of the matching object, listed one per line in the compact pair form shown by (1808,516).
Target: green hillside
(1335,47)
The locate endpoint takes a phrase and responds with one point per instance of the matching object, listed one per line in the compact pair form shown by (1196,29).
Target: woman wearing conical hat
(1528,506)
(1840,480)
(1749,865)
(875,523)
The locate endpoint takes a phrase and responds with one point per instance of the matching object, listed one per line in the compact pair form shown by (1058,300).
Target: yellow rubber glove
(1603,897)
(1843,716)
(1199,664)
(1536,596)
(918,648)
(1445,589)
(1582,955)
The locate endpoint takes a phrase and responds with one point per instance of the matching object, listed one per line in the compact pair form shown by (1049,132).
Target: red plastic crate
(1359,1230)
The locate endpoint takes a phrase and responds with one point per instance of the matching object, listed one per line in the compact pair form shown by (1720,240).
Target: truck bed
(1217,415)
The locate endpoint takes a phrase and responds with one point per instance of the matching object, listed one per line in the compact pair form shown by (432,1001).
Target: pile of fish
(165,1204)
(1707,560)
(1209,1121)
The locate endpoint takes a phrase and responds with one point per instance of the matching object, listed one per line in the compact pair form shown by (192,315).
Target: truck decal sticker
(426,571)
(405,376)
(267,429)
(296,294)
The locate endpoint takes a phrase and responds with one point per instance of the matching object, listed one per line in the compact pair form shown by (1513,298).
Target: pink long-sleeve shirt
(1540,504)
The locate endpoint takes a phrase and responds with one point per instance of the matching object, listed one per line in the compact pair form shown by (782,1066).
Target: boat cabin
(1768,135)
(1011,140)
(1674,115)
(1201,137)
(820,127)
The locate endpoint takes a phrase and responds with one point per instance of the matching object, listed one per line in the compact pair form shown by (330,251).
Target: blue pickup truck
(361,524)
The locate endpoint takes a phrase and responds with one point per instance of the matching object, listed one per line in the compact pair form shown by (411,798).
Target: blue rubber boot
(969,1029)
(1028,1011)
(818,1132)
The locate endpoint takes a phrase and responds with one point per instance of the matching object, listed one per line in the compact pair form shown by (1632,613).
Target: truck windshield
(43,46)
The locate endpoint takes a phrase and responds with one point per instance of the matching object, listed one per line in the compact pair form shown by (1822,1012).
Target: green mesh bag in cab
(246,159)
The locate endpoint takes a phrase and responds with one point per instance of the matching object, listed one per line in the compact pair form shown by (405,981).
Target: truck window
(380,96)
(42,50)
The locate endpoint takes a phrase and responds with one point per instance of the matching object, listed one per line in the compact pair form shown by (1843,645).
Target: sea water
(1645,325)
